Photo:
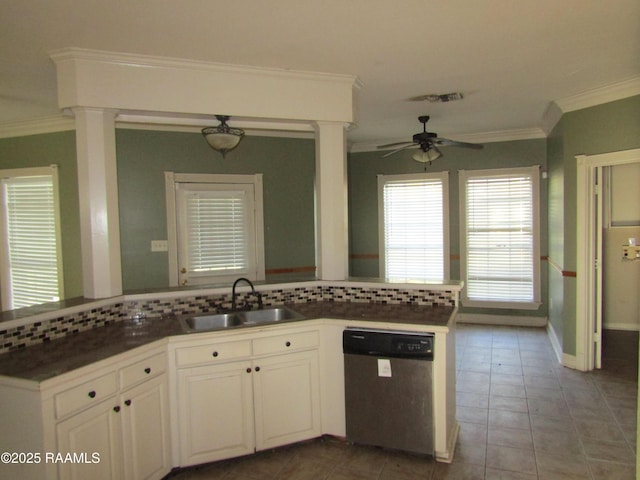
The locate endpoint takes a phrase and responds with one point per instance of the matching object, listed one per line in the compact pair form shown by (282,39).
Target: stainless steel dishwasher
(388,389)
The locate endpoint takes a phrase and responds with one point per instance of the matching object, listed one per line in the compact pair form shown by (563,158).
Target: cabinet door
(287,399)
(94,431)
(145,430)
(215,412)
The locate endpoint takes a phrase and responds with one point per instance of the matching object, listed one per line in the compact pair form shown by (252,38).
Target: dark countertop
(41,362)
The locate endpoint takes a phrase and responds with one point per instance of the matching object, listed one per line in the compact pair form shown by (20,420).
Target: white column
(98,192)
(332,243)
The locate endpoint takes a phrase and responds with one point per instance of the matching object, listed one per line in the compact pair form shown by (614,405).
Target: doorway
(620,270)
(591,217)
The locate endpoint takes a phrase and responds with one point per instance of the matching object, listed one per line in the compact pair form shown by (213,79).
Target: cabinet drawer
(286,343)
(85,395)
(213,353)
(142,370)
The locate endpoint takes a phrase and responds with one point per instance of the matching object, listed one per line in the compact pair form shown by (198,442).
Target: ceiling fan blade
(445,142)
(411,145)
(397,144)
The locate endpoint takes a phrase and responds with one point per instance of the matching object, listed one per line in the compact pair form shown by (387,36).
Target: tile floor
(522,416)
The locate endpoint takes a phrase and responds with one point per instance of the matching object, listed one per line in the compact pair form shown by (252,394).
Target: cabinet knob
(116,408)
(147,370)
(127,403)
(288,344)
(92,394)
(248,370)
(215,354)
(257,369)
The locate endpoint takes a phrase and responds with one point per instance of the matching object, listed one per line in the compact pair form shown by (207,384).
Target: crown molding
(597,96)
(550,117)
(140,60)
(482,137)
(37,125)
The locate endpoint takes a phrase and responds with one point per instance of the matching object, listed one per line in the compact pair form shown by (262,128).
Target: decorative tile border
(47,330)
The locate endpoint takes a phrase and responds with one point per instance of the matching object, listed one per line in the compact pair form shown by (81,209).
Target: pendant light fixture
(223,138)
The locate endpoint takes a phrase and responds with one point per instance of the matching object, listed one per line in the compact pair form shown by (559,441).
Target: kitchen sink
(269,315)
(220,321)
(211,322)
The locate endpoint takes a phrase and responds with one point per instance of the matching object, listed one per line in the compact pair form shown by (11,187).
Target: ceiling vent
(438,98)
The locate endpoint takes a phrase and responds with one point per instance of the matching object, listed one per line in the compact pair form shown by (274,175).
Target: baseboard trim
(506,320)
(555,342)
(569,361)
(632,327)
(447,457)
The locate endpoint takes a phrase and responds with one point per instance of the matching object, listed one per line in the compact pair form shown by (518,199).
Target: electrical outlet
(159,245)
(630,252)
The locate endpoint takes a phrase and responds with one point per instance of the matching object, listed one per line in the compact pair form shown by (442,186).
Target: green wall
(287,165)
(605,128)
(60,149)
(363,200)
(288,168)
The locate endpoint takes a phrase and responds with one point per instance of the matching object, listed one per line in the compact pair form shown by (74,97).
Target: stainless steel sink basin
(220,321)
(269,315)
(211,322)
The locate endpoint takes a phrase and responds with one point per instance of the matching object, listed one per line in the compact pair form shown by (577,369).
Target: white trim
(171,198)
(195,123)
(444,178)
(550,117)
(597,96)
(585,248)
(114,80)
(555,342)
(49,171)
(534,172)
(35,126)
(629,327)
(512,320)
(139,60)
(570,361)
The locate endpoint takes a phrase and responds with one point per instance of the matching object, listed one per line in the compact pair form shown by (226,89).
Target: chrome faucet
(253,292)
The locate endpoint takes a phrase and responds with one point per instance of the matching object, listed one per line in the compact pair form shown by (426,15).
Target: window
(31,260)
(215,228)
(499,237)
(414,240)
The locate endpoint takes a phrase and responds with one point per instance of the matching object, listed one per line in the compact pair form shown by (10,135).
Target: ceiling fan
(428,143)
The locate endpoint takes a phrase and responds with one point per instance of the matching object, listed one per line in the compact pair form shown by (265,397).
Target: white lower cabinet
(145,430)
(235,408)
(93,431)
(109,420)
(216,412)
(123,436)
(287,399)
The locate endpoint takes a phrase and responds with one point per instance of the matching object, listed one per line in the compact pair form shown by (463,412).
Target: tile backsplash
(47,330)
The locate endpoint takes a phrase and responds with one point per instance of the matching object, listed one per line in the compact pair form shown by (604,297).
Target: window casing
(500,237)
(414,227)
(215,228)
(31,257)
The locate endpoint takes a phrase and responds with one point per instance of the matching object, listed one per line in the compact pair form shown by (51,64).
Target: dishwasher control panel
(394,344)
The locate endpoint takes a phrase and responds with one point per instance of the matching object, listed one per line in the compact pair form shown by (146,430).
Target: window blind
(31,237)
(414,230)
(216,232)
(500,238)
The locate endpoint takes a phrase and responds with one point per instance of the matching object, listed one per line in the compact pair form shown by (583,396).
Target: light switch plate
(159,245)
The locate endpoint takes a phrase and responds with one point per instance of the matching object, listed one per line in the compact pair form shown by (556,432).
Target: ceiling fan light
(223,138)
(429,156)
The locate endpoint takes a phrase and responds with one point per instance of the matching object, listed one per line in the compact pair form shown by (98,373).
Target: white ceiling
(509,58)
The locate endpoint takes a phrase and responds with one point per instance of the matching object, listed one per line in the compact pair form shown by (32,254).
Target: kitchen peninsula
(122,373)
